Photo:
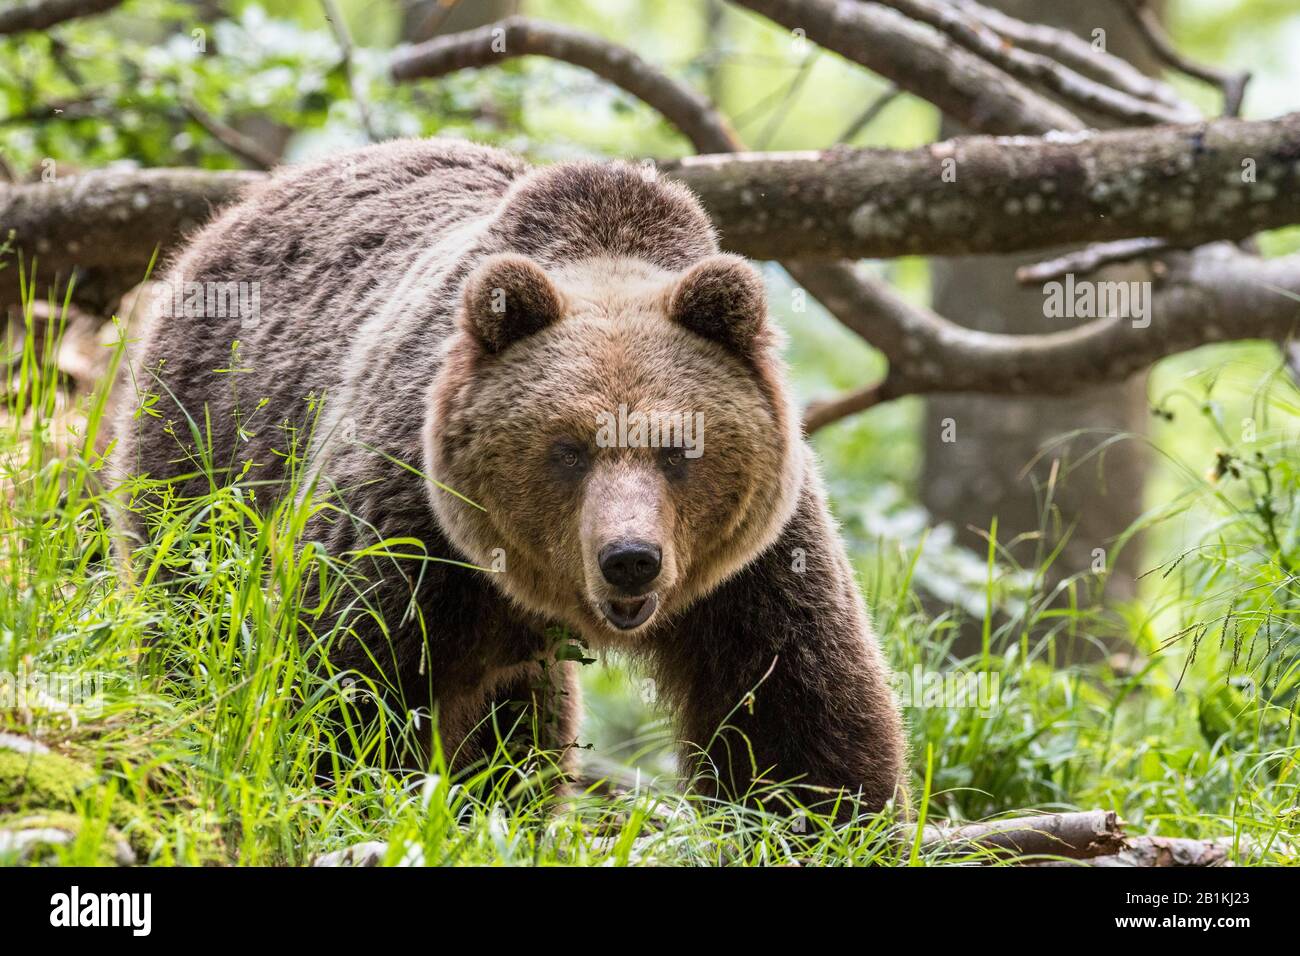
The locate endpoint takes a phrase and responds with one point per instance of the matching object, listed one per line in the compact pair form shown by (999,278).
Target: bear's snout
(626,532)
(630,565)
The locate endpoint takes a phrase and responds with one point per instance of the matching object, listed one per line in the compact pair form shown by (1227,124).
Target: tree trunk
(978,449)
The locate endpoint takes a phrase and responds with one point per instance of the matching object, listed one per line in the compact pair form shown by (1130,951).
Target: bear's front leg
(777,679)
(536,710)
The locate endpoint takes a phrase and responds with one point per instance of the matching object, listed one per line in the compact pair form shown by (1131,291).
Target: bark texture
(1224,179)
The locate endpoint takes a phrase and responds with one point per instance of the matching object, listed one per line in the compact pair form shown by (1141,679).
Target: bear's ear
(722,298)
(507,298)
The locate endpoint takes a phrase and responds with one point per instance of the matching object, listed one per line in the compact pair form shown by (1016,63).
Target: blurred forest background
(134,87)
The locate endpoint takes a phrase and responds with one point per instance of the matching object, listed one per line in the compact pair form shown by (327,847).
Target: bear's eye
(568,457)
(673,461)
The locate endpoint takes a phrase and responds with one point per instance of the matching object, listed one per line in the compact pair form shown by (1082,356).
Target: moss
(48,783)
(40,780)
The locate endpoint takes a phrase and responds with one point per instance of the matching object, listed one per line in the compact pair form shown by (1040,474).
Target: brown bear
(553,380)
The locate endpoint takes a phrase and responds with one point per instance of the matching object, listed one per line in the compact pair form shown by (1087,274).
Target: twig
(1090,259)
(823,412)
(787,100)
(344,39)
(64,61)
(245,147)
(870,114)
(1232,85)
(76,107)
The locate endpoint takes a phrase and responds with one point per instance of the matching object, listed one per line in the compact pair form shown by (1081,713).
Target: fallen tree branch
(861,33)
(924,349)
(785,205)
(105,225)
(1081,835)
(962,85)
(1217,294)
(1182,184)
(693,116)
(1224,179)
(1075,52)
(927,353)
(1154,851)
(1083,838)
(971,33)
(513,37)
(43,14)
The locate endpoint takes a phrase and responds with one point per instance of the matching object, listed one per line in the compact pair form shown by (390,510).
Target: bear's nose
(630,565)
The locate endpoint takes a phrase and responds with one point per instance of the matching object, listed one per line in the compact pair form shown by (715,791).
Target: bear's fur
(470,317)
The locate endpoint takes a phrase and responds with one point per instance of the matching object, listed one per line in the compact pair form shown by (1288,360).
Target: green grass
(213,711)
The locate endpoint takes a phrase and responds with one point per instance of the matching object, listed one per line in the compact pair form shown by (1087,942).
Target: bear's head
(611,437)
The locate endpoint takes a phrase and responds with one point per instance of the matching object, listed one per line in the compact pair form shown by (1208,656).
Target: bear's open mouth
(630,613)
